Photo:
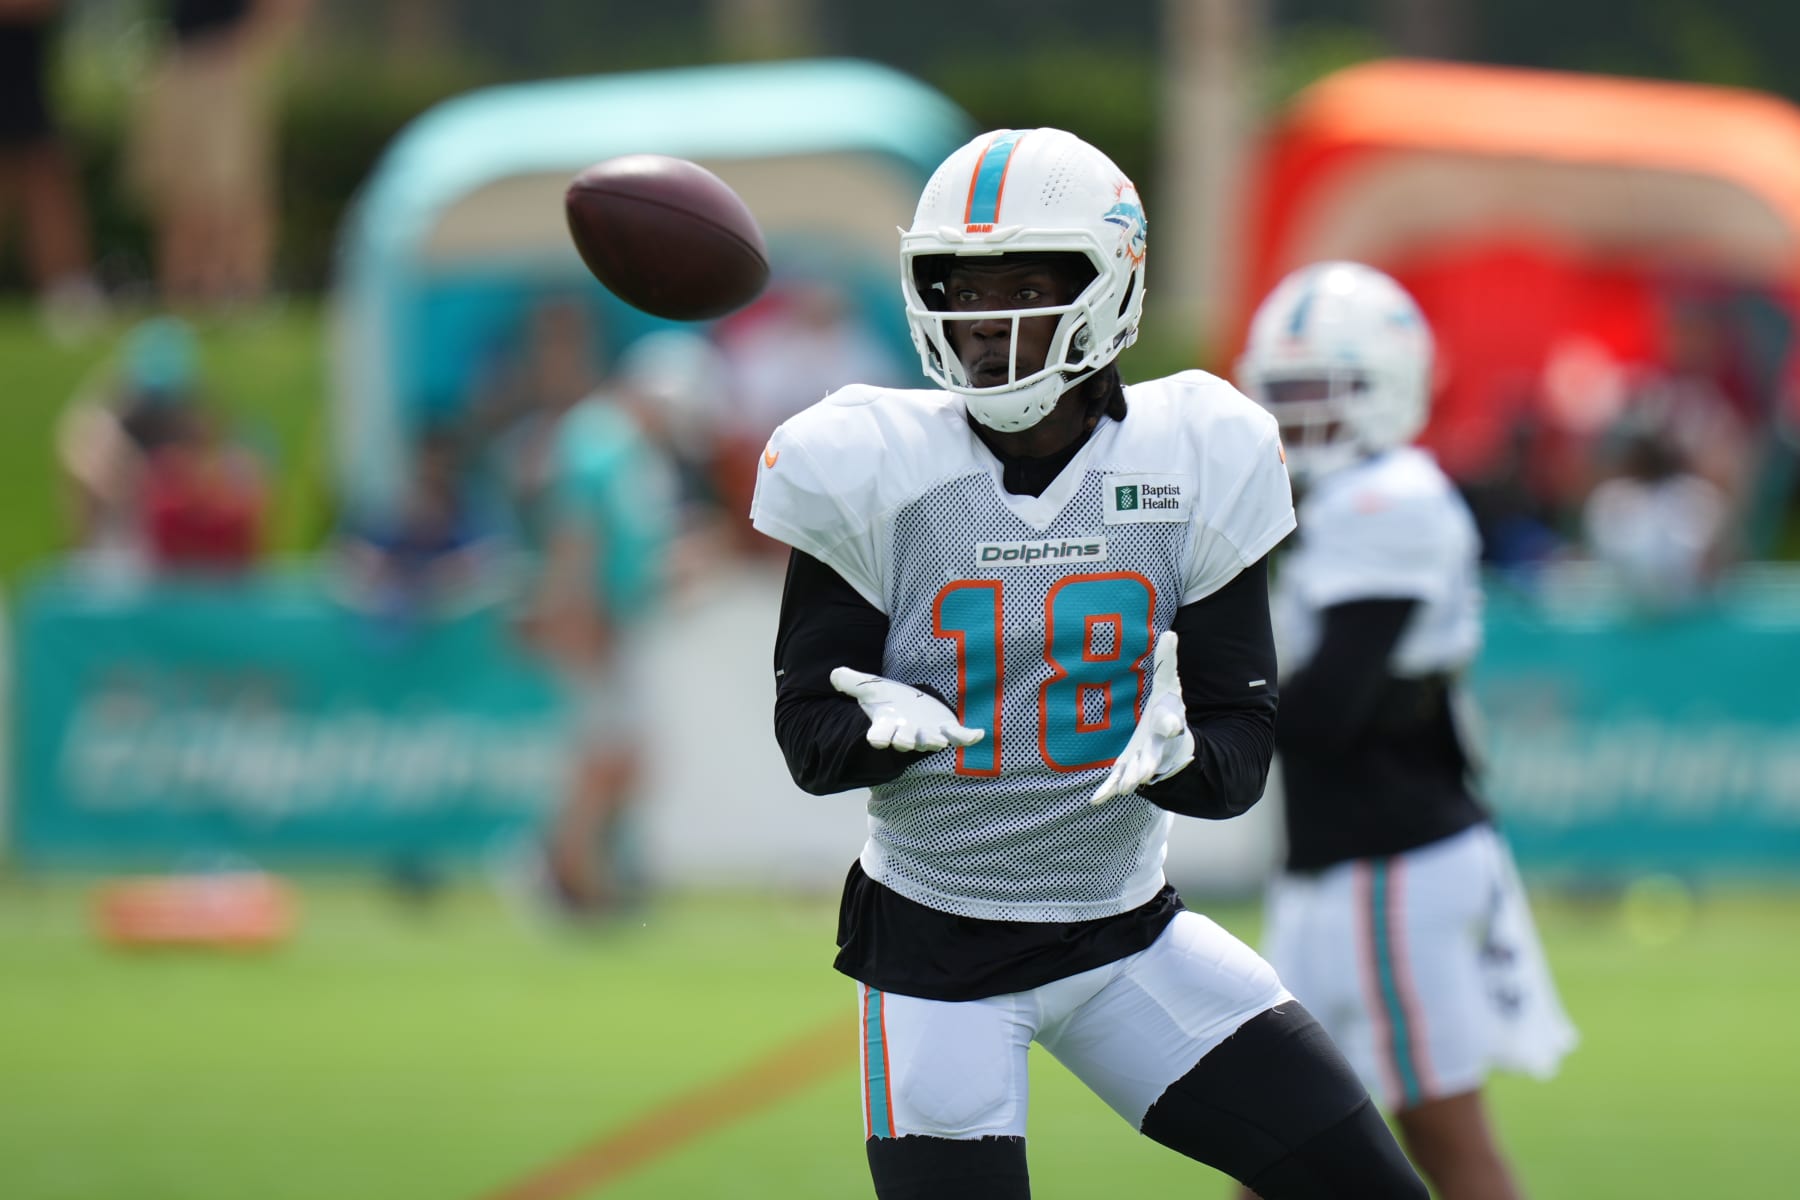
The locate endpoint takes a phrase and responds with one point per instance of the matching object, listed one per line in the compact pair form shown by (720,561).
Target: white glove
(902,716)
(1161,744)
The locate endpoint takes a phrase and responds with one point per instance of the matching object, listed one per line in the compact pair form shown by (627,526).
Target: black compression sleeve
(1226,647)
(826,624)
(1277,1107)
(934,1168)
(1332,702)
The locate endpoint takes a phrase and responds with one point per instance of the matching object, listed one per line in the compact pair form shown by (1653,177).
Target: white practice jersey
(1391,527)
(1034,616)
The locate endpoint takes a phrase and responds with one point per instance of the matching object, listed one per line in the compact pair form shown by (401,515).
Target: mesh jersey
(1034,616)
(1391,527)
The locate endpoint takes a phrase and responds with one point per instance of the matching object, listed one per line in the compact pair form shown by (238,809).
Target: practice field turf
(396,1050)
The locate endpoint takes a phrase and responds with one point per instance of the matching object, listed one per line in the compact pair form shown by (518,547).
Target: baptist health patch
(1131,499)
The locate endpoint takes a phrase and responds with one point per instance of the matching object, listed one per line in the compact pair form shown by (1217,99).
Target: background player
(1399,920)
(597,502)
(1030,612)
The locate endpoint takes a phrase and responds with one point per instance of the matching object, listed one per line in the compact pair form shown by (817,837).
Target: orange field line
(764,1083)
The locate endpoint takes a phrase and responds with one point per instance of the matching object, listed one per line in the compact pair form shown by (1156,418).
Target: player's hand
(901,716)
(1162,743)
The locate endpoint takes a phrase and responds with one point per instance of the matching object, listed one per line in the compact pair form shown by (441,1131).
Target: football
(667,236)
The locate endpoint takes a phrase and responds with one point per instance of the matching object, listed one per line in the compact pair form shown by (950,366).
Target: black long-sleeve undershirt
(1330,704)
(1371,763)
(826,624)
(1226,643)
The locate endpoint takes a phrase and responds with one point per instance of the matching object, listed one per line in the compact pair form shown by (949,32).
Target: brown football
(667,236)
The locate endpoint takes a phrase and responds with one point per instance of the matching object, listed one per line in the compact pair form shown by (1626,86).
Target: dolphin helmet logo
(1128,215)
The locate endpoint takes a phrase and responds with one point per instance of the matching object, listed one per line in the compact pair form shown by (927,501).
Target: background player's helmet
(1027,191)
(1342,356)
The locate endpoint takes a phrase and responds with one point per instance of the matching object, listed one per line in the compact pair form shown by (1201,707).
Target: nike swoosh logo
(769,457)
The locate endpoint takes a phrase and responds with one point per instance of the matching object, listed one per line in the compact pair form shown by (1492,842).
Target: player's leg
(1311,937)
(1196,1042)
(1400,957)
(585,852)
(583,836)
(1457,986)
(920,1167)
(1429,1007)
(1453,1143)
(1276,1107)
(944,1095)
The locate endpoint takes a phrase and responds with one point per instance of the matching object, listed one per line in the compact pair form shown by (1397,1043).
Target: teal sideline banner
(1624,742)
(264,720)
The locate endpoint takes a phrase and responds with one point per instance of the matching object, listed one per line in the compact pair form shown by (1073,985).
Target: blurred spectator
(522,393)
(1658,523)
(790,351)
(598,507)
(102,441)
(37,178)
(1517,528)
(678,388)
(434,553)
(204,500)
(154,481)
(786,353)
(203,148)
(796,348)
(1699,401)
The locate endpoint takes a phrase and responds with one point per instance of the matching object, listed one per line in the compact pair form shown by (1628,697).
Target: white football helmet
(1027,191)
(1342,356)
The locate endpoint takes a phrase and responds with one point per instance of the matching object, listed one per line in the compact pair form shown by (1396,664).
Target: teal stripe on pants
(1401,1032)
(881,1120)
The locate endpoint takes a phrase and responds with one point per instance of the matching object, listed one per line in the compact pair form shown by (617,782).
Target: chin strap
(1101,402)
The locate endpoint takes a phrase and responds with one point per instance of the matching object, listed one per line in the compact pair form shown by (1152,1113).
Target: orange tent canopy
(1670,143)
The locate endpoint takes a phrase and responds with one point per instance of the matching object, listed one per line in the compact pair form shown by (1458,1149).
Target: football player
(1398,919)
(597,502)
(1028,610)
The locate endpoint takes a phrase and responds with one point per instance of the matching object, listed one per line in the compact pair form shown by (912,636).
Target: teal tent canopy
(461,222)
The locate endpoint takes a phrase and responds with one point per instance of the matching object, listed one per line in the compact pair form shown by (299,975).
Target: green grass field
(449,1051)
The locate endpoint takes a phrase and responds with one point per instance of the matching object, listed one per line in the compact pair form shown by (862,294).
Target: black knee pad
(1276,1107)
(930,1168)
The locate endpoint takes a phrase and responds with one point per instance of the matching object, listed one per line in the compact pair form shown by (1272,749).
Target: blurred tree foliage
(1312,50)
(1106,95)
(1742,43)
(340,113)
(368,68)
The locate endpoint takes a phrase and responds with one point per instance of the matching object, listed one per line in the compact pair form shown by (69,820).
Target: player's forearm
(824,739)
(825,624)
(1232,752)
(1227,668)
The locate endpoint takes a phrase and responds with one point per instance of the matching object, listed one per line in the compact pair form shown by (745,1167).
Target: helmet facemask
(1031,390)
(1317,413)
(1038,192)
